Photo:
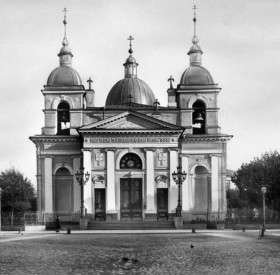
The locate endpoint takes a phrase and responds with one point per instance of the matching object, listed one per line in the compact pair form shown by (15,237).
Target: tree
(233,198)
(251,177)
(18,191)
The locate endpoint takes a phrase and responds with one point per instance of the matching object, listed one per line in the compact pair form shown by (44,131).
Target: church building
(130,148)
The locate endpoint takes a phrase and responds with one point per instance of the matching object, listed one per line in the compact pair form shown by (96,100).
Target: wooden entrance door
(162,203)
(131,199)
(100,202)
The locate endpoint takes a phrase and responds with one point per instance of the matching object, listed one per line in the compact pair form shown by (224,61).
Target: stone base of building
(111,216)
(150,216)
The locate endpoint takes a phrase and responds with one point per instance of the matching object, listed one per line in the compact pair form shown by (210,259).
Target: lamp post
(263,193)
(82,179)
(1,191)
(179,178)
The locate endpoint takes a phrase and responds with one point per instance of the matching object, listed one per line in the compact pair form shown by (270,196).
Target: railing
(37,218)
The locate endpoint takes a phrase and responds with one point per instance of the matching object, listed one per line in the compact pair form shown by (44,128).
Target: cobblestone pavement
(229,252)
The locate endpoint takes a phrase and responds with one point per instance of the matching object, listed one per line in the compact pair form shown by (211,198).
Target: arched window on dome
(198,118)
(63,118)
(130,161)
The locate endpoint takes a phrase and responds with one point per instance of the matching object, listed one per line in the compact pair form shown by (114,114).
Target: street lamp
(179,178)
(263,193)
(82,179)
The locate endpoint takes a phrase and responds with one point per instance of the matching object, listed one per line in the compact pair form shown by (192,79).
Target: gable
(130,121)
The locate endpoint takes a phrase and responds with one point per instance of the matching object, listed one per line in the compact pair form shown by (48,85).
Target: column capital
(46,156)
(182,155)
(215,155)
(110,149)
(149,149)
(86,150)
(173,149)
(76,156)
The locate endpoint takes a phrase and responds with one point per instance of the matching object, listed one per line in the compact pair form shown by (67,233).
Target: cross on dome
(130,38)
(170,79)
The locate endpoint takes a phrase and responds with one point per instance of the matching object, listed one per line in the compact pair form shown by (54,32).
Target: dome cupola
(131,89)
(64,75)
(196,74)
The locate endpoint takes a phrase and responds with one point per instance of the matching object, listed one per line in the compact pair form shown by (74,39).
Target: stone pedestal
(83,223)
(178,221)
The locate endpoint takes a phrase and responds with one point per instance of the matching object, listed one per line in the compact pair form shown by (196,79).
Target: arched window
(198,118)
(63,119)
(130,161)
(63,190)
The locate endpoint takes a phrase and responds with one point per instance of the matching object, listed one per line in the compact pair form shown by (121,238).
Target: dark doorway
(162,203)
(100,202)
(131,199)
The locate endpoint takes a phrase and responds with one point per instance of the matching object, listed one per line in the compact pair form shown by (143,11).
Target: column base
(150,216)
(83,223)
(111,216)
(179,222)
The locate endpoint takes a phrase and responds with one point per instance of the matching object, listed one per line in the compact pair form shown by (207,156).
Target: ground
(213,252)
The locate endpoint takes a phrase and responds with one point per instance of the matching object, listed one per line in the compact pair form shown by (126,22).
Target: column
(150,182)
(215,183)
(111,188)
(48,180)
(185,184)
(76,185)
(88,185)
(39,179)
(173,189)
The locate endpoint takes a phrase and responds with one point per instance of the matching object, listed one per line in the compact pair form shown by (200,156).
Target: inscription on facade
(131,140)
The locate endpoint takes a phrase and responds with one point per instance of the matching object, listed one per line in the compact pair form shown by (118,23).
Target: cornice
(205,138)
(54,139)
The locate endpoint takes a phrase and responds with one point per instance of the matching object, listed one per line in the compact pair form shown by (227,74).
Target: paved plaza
(205,252)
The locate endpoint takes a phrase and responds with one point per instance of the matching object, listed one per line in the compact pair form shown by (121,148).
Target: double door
(131,199)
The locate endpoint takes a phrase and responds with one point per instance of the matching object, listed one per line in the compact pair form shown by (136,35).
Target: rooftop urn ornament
(179,178)
(170,79)
(82,178)
(89,83)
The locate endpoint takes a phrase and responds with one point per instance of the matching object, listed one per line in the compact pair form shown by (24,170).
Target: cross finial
(170,79)
(130,38)
(89,83)
(129,98)
(156,103)
(195,39)
(64,21)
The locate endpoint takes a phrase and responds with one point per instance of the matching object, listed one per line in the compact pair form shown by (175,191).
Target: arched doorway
(131,189)
(201,190)
(63,190)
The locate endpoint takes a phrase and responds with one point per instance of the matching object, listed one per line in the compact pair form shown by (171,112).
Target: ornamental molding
(205,139)
(57,100)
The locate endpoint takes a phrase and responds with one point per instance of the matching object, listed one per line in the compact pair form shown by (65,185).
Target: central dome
(130,89)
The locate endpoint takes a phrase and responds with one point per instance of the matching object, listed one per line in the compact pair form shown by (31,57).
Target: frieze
(131,140)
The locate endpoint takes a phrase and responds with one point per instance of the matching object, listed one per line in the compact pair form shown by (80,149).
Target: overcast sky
(240,41)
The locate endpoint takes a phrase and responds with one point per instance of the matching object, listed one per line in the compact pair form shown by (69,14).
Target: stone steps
(130,225)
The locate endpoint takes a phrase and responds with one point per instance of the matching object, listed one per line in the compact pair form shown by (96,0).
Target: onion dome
(64,75)
(131,89)
(196,74)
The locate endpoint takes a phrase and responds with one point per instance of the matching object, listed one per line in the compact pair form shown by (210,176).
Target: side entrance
(131,199)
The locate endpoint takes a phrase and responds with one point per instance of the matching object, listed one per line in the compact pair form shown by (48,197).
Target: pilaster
(76,187)
(185,185)
(111,188)
(215,182)
(150,181)
(48,182)
(173,190)
(88,185)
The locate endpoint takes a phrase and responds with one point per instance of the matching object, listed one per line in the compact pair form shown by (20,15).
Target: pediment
(130,121)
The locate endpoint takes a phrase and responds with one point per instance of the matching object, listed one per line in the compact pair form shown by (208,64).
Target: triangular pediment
(130,120)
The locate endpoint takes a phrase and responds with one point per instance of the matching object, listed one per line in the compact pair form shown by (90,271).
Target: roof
(64,76)
(196,75)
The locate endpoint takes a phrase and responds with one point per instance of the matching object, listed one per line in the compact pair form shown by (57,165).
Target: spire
(65,55)
(130,66)
(195,51)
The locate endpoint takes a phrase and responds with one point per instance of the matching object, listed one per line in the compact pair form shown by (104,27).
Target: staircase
(131,225)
